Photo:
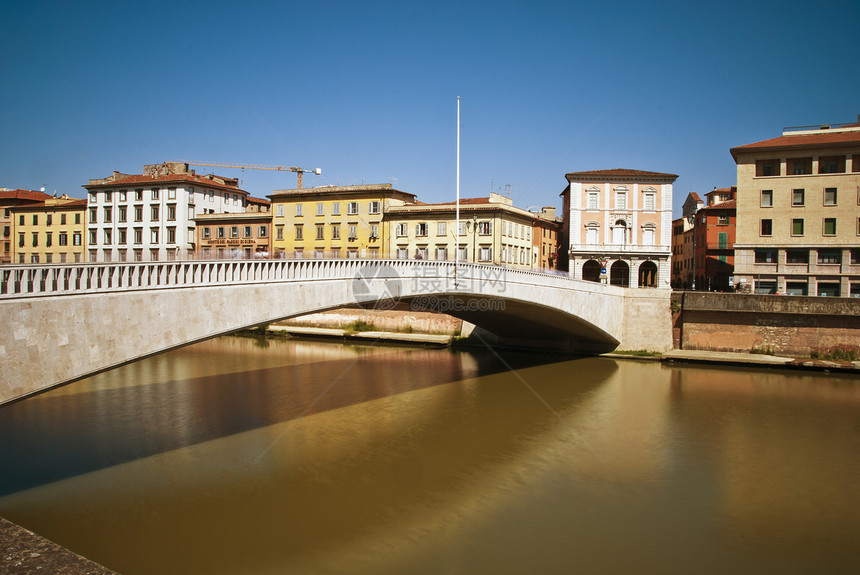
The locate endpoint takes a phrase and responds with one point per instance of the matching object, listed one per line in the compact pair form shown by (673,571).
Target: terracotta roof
(727,205)
(823,139)
(261,201)
(618,173)
(141,179)
(19,194)
(694,196)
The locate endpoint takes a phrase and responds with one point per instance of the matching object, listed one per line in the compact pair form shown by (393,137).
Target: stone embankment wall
(790,325)
(393,320)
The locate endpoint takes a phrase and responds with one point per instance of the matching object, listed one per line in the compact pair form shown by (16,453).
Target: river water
(240,456)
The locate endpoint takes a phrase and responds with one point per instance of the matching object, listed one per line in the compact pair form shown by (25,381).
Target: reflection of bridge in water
(72,320)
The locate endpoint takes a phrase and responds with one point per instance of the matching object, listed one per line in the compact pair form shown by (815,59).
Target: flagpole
(457,229)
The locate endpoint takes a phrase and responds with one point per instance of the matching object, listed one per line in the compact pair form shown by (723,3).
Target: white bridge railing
(22,281)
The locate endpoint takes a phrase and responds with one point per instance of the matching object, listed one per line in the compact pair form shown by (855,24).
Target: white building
(617,227)
(150,216)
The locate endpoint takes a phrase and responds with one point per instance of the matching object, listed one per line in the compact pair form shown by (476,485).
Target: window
(421,253)
(374,231)
(220,232)
(122,236)
(764,168)
(123,213)
(800,166)
(108,214)
(831,165)
(421,230)
(154,214)
(49,219)
(723,242)
(797,256)
(374,207)
(353,231)
(234,232)
(171,213)
(246,232)
(765,256)
(320,209)
(154,194)
(62,219)
(108,238)
(593,200)
(122,195)
(648,236)
(263,232)
(138,195)
(830,256)
(766,227)
(441,254)
(335,232)
(138,235)
(797,227)
(76,238)
(171,193)
(335,209)
(829,196)
(298,209)
(49,239)
(279,233)
(63,240)
(722,220)
(767,198)
(829,226)
(153,235)
(108,196)
(797,197)
(441,228)
(855,256)
(299,233)
(138,213)
(352,208)
(485,228)
(591,235)
(650,201)
(320,233)
(620,200)
(93,237)
(93,216)
(171,235)
(401,230)
(279,210)
(402,253)
(462,254)
(462,229)
(485,254)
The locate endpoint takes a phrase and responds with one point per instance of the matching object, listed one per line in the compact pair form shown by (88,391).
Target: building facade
(9,199)
(798,212)
(713,241)
(618,227)
(546,233)
(683,252)
(51,231)
(333,221)
(234,236)
(150,216)
(491,231)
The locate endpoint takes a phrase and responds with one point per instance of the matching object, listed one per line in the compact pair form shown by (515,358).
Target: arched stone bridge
(67,321)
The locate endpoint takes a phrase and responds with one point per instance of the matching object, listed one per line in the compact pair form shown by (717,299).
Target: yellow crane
(298,171)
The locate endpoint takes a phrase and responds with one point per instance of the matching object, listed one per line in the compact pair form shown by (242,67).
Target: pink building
(618,227)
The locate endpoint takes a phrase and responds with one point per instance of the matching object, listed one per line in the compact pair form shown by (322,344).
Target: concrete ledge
(22,551)
(421,338)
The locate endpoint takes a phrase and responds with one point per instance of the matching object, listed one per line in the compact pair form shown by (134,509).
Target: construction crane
(299,171)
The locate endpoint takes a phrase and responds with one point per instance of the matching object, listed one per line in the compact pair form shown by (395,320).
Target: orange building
(714,241)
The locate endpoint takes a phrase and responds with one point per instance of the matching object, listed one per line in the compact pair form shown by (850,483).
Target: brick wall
(788,325)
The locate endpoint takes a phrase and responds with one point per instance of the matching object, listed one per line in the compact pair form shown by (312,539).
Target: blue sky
(367,91)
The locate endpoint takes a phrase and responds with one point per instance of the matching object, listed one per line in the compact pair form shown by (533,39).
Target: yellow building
(51,231)
(333,221)
(8,200)
(798,212)
(492,231)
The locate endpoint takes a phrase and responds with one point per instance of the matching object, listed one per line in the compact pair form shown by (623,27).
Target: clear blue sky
(367,91)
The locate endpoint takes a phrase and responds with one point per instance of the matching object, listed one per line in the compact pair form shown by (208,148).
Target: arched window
(648,275)
(619,274)
(591,271)
(619,233)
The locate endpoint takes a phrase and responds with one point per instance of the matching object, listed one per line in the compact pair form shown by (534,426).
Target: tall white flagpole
(457,229)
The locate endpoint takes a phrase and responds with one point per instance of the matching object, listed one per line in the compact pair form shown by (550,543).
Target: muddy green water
(312,457)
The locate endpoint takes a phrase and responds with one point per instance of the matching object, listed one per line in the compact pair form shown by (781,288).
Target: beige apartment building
(617,227)
(491,231)
(9,199)
(798,212)
(51,231)
(333,221)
